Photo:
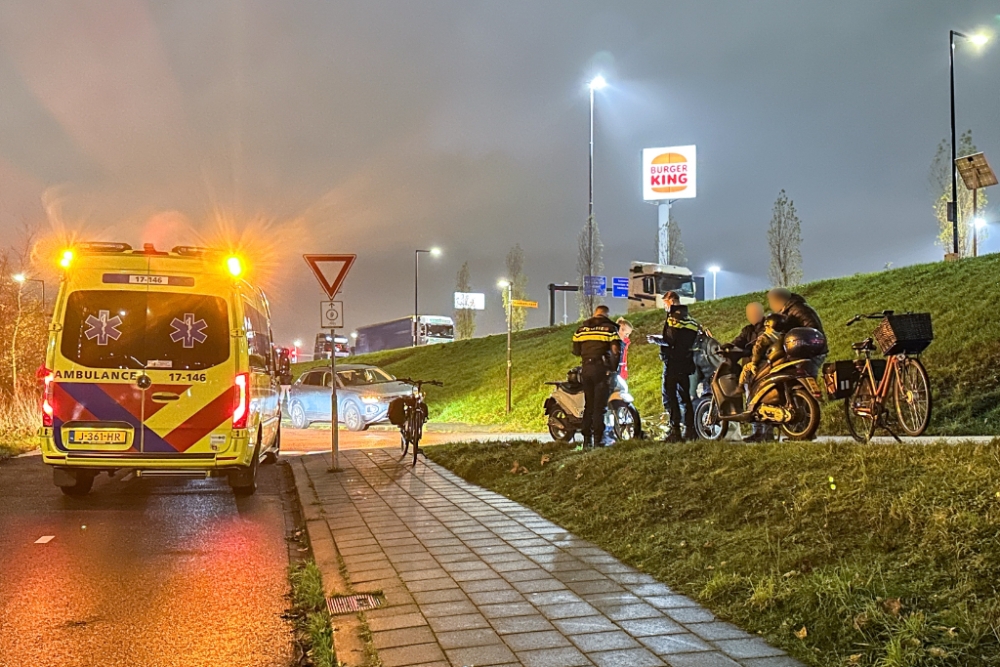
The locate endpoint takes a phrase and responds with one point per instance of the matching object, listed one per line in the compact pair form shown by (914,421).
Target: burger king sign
(669,173)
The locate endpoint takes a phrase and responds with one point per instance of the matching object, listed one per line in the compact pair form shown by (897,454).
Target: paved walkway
(473,578)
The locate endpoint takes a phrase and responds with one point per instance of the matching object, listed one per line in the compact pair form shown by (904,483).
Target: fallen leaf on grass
(517,468)
(860,621)
(579,474)
(937,652)
(802,634)
(855,659)
(546,459)
(893,606)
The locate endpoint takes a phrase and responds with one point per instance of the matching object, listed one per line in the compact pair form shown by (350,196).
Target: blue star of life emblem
(103,327)
(189,331)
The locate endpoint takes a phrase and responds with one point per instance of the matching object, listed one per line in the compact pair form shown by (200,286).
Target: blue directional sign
(595,285)
(619,288)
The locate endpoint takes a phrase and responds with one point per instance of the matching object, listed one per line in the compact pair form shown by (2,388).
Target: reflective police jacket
(680,332)
(597,340)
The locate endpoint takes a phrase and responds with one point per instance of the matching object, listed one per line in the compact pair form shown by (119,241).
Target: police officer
(677,351)
(597,342)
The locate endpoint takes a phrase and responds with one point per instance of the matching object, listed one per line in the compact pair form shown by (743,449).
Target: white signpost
(668,174)
(331,315)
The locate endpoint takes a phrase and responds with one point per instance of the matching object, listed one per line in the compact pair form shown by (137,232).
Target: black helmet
(804,343)
(774,322)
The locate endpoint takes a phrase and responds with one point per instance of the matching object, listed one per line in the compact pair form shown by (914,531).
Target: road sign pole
(334,417)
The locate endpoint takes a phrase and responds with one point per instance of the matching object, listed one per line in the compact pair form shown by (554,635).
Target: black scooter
(782,394)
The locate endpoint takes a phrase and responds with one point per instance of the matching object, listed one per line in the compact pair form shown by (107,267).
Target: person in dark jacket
(596,341)
(677,351)
(798,313)
(748,335)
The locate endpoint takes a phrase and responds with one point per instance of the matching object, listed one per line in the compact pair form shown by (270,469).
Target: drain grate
(350,604)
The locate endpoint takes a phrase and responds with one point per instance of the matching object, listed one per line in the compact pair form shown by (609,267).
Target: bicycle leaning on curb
(866,383)
(409,413)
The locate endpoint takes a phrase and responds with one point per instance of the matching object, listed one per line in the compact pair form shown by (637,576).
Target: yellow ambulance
(159,363)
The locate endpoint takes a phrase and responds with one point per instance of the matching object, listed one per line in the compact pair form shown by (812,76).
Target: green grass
(19,422)
(963,362)
(310,617)
(889,556)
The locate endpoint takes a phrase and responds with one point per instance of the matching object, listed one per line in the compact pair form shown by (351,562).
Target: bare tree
(519,286)
(465,318)
(675,247)
(784,236)
(589,263)
(940,183)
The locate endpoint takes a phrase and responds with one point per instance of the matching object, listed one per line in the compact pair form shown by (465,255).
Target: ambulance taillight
(47,398)
(241,408)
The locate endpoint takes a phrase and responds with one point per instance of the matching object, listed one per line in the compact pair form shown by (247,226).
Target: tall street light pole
(715,278)
(509,286)
(433,252)
(597,83)
(978,40)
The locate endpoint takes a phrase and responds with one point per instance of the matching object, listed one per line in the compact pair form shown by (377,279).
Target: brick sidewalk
(473,578)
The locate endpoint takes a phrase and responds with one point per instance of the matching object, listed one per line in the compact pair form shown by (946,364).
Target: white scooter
(564,408)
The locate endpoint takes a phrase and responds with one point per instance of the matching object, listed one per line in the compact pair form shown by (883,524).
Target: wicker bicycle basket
(910,333)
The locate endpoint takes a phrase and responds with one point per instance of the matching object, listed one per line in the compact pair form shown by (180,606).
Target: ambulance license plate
(106,437)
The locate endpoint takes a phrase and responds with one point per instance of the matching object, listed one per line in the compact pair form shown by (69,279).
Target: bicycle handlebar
(869,316)
(419,383)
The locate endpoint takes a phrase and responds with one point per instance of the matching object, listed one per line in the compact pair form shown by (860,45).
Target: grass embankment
(883,556)
(19,422)
(310,617)
(964,361)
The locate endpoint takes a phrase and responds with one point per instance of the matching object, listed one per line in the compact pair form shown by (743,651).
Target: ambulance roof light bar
(102,246)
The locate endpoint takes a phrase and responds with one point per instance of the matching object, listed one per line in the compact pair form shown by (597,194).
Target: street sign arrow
(330,270)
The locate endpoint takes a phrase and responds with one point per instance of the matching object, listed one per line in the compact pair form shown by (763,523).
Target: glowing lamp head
(978,222)
(503,284)
(66,259)
(19,278)
(435,252)
(297,343)
(979,39)
(598,83)
(234,266)
(714,269)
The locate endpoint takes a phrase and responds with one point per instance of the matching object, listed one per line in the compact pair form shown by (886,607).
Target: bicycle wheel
(859,409)
(913,396)
(418,428)
(404,444)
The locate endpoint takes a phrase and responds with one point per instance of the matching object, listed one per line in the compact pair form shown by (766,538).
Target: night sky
(376,127)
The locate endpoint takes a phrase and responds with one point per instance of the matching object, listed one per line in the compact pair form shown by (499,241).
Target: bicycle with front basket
(409,413)
(872,386)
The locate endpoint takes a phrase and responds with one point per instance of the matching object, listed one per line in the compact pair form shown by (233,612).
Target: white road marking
(45,539)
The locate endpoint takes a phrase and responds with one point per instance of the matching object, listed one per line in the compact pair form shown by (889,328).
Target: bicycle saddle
(867,345)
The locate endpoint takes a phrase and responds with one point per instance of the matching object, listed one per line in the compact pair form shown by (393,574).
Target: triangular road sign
(330,270)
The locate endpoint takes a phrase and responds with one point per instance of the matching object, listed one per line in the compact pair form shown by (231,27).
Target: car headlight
(370,400)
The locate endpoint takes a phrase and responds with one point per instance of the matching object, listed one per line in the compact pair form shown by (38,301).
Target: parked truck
(649,282)
(398,333)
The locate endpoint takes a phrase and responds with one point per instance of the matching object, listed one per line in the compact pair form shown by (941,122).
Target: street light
(977,224)
(597,83)
(433,252)
(977,40)
(21,279)
(715,279)
(504,284)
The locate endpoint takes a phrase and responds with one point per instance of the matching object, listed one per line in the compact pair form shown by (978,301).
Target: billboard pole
(663,218)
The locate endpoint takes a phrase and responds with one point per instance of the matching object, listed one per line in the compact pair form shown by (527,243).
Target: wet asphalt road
(158,573)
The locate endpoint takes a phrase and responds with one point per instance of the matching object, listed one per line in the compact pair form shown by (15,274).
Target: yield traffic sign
(330,270)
